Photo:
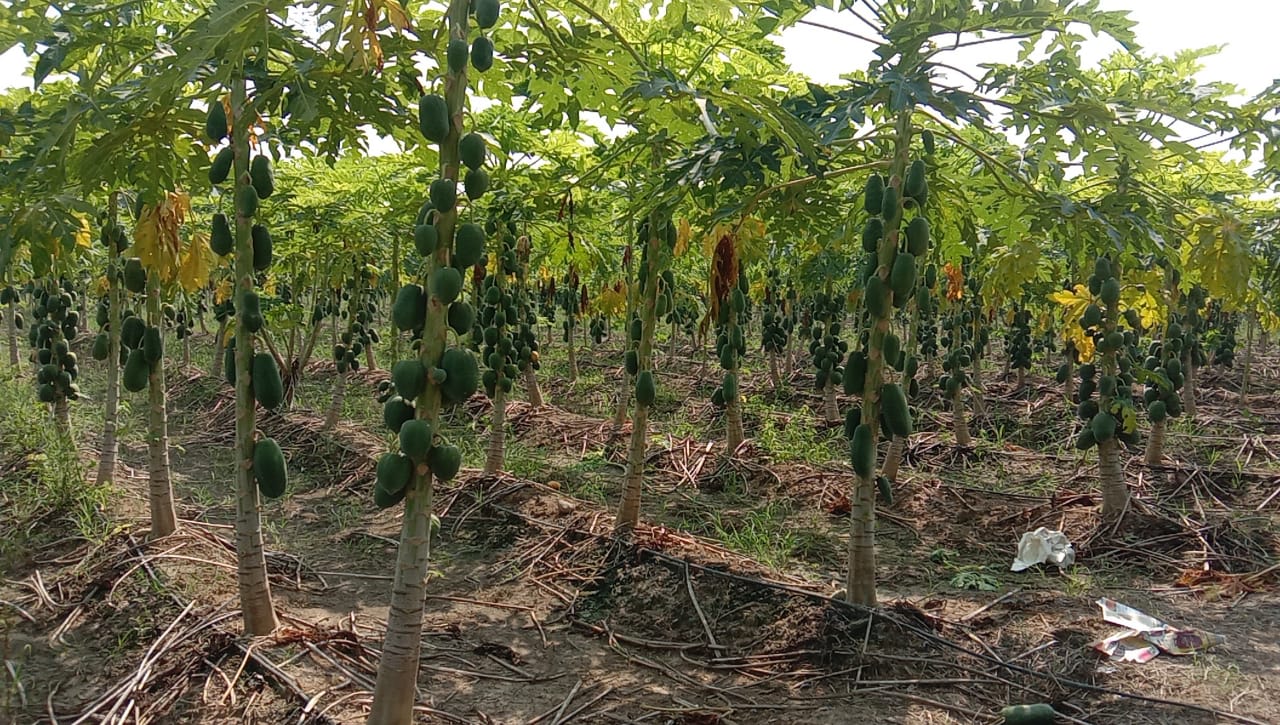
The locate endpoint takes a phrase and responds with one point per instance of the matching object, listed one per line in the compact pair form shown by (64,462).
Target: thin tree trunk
(1022,378)
(496,450)
(573,357)
(1115,493)
(164,520)
(979,403)
(620,410)
(62,416)
(893,459)
(251,570)
(368,357)
(733,423)
(629,509)
(186,351)
(1189,387)
(959,421)
(219,343)
(335,406)
(531,386)
(396,689)
(11,323)
(671,345)
(111,412)
(1248,361)
(1155,444)
(774,377)
(830,408)
(1069,385)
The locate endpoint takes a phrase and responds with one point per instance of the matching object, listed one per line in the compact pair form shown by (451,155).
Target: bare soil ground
(718,610)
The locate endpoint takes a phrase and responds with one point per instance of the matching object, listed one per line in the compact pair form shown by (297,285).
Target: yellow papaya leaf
(83,237)
(1219,255)
(193,271)
(610,302)
(223,291)
(683,234)
(1073,303)
(955,281)
(1141,293)
(1012,267)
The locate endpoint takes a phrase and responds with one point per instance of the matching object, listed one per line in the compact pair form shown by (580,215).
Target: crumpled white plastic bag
(1043,545)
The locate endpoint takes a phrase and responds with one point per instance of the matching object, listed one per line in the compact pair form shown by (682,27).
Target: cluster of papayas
(598,329)
(506,325)
(731,341)
(9,296)
(1111,414)
(1221,337)
(54,325)
(571,298)
(825,346)
(778,320)
(359,335)
(1018,341)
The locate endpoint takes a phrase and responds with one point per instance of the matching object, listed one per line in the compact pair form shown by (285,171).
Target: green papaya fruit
(890,203)
(914,185)
(101,346)
(444,195)
(873,194)
(646,388)
(215,121)
(1103,427)
(462,317)
(876,295)
(135,277)
(269,468)
(425,238)
(415,439)
(395,412)
(862,451)
(476,183)
(433,118)
(468,245)
(918,236)
(220,169)
(152,345)
(894,405)
(902,278)
(486,13)
(446,284)
(1110,292)
(268,389)
(409,312)
(472,149)
(262,247)
(632,360)
(456,55)
(872,232)
(246,201)
(136,372)
(394,472)
(261,176)
(221,241)
(445,461)
(927,139)
(482,54)
(462,375)
(409,378)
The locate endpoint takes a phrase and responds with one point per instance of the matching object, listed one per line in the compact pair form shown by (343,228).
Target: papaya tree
(448,374)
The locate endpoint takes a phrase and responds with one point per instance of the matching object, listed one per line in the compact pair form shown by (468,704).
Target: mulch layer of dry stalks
(344,456)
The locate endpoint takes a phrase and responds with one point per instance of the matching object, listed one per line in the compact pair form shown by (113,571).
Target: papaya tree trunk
(860,583)
(397,682)
(335,406)
(573,355)
(1189,387)
(164,520)
(251,570)
(1155,444)
(531,385)
(893,458)
(62,416)
(495,453)
(629,509)
(369,360)
(111,398)
(774,377)
(830,408)
(11,325)
(1115,493)
(1244,374)
(219,343)
(960,421)
(1022,379)
(979,402)
(1069,385)
(186,351)
(620,410)
(733,424)
(671,344)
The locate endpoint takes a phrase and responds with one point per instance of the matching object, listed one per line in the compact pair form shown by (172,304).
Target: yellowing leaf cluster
(1073,303)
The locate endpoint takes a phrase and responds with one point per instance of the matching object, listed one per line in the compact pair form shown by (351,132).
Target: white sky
(1247,29)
